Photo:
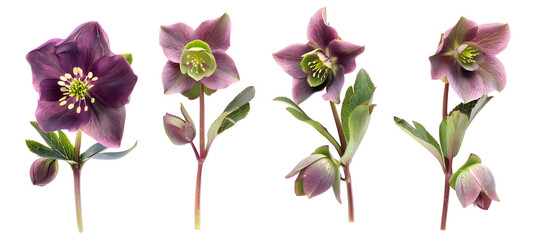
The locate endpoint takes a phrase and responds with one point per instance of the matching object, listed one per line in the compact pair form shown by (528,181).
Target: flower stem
(347,177)
(77,168)
(200,157)
(448,166)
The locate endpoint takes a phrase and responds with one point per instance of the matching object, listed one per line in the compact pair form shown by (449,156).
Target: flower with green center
(320,63)
(197,56)
(82,85)
(466,58)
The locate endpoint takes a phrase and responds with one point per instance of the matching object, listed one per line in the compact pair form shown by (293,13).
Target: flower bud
(178,130)
(43,171)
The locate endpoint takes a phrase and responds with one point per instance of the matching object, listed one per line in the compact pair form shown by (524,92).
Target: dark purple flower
(82,85)
(43,171)
(466,58)
(320,63)
(197,56)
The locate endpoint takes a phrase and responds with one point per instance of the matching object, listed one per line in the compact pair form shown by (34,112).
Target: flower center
(197,60)
(76,87)
(468,54)
(318,65)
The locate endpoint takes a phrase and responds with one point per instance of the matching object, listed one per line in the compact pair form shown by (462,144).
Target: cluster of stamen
(319,69)
(76,87)
(466,56)
(196,62)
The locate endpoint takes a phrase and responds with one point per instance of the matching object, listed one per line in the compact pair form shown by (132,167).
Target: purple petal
(483,201)
(301,89)
(116,80)
(485,179)
(43,171)
(440,64)
(44,63)
(225,74)
(318,177)
(333,91)
(319,33)
(467,188)
(178,131)
(344,54)
(468,85)
(304,163)
(465,30)
(173,38)
(50,90)
(290,58)
(106,124)
(216,33)
(91,37)
(493,73)
(493,37)
(174,81)
(71,55)
(52,117)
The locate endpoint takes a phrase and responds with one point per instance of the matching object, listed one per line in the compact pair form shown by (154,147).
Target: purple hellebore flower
(82,85)
(197,56)
(466,58)
(320,63)
(476,185)
(178,130)
(43,171)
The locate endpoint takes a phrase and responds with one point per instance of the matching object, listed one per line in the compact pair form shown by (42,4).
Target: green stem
(339,126)
(77,168)
(448,166)
(200,158)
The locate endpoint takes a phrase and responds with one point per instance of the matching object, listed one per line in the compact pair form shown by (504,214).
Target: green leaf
(60,144)
(112,155)
(193,93)
(298,113)
(357,123)
(361,93)
(422,136)
(451,133)
(91,151)
(42,150)
(472,108)
(473,159)
(128,57)
(237,110)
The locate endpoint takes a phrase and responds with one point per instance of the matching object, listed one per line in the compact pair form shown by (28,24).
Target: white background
(398,185)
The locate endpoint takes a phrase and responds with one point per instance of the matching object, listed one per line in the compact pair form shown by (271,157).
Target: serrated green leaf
(128,57)
(451,133)
(472,108)
(42,150)
(422,136)
(361,93)
(473,159)
(237,110)
(298,113)
(91,151)
(112,155)
(61,144)
(358,122)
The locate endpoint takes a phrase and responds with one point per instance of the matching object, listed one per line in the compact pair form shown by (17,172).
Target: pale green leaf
(358,122)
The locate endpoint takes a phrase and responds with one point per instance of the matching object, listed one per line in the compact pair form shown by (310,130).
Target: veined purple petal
(465,30)
(301,89)
(304,163)
(50,90)
(333,91)
(116,80)
(173,38)
(318,177)
(44,63)
(225,74)
(468,85)
(467,188)
(105,124)
(492,37)
(319,33)
(440,64)
(344,54)
(290,58)
(485,179)
(493,73)
(216,33)
(174,81)
(92,38)
(73,54)
(52,117)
